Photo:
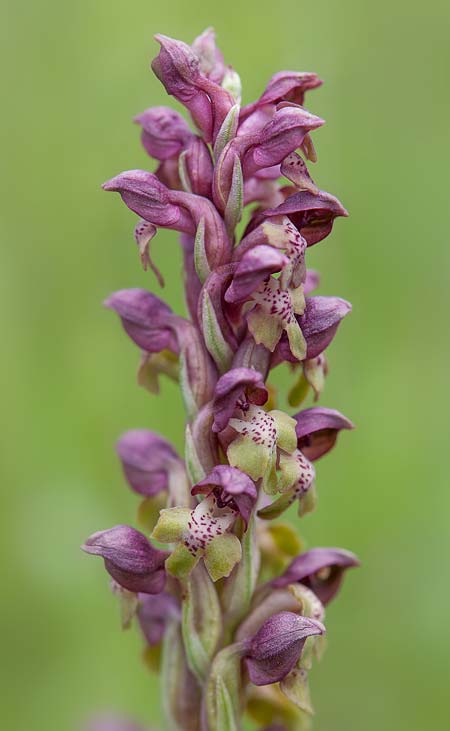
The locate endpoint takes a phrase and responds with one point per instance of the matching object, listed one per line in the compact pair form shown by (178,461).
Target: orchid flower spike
(232,612)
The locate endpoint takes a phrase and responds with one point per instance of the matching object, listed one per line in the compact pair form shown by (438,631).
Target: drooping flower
(320,569)
(129,558)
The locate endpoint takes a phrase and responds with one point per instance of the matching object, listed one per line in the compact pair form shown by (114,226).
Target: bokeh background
(74,74)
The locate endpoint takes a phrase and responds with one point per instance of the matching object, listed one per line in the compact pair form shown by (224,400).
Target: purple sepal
(284,86)
(276,648)
(147,196)
(231,488)
(240,386)
(320,569)
(129,558)
(321,320)
(146,458)
(154,612)
(313,214)
(178,67)
(146,319)
(254,267)
(317,430)
(164,132)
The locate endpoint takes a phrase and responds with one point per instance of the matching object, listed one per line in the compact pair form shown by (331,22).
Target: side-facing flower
(319,323)
(164,132)
(129,558)
(147,461)
(317,430)
(275,649)
(320,569)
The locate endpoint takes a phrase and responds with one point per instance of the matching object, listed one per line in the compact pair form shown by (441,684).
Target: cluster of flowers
(232,613)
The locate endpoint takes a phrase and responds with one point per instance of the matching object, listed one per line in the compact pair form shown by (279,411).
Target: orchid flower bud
(164,132)
(211,58)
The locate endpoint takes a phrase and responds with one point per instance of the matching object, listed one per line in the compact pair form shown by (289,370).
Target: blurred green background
(75,73)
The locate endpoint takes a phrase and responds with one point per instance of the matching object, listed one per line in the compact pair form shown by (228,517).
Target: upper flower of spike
(179,68)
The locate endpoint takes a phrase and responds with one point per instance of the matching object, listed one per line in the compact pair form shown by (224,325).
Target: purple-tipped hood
(231,487)
(239,385)
(146,460)
(320,569)
(129,558)
(317,430)
(275,649)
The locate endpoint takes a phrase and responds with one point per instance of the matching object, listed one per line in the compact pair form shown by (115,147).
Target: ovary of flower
(275,311)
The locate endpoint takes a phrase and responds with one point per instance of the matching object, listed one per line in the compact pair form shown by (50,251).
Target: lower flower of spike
(200,533)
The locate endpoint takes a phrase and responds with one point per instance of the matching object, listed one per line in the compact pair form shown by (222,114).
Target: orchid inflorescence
(230,607)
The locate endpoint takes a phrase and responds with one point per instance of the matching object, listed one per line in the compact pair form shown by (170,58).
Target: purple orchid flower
(275,649)
(317,430)
(231,488)
(129,558)
(178,67)
(165,133)
(288,86)
(146,319)
(146,460)
(320,569)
